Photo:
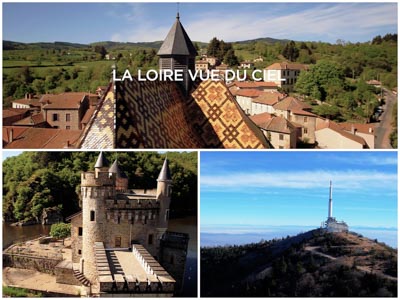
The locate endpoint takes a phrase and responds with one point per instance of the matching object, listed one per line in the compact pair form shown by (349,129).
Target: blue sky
(140,22)
(258,189)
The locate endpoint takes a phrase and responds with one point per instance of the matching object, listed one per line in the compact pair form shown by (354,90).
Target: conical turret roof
(115,169)
(102,161)
(165,174)
(177,41)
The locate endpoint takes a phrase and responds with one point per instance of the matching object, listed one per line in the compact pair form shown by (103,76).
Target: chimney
(11,135)
(353,130)
(370,129)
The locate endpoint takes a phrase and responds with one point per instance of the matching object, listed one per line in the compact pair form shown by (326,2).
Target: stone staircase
(82,279)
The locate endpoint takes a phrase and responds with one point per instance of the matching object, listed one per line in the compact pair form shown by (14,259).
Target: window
(117,242)
(92,215)
(80,231)
(67,117)
(150,239)
(55,117)
(67,127)
(280,147)
(305,131)
(166,214)
(305,119)
(79,251)
(281,137)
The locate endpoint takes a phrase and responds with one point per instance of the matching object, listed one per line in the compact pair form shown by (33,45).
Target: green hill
(312,264)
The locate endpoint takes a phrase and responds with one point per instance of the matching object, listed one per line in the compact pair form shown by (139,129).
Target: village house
(330,135)
(34,120)
(281,133)
(65,111)
(265,102)
(29,102)
(246,64)
(244,97)
(299,113)
(285,74)
(202,65)
(366,131)
(213,61)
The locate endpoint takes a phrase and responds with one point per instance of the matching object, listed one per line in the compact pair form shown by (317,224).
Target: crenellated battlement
(102,179)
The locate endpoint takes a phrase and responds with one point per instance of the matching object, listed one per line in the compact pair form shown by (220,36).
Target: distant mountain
(266,40)
(10,45)
(311,264)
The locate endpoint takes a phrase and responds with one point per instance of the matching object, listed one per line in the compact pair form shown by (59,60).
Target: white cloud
(354,179)
(324,22)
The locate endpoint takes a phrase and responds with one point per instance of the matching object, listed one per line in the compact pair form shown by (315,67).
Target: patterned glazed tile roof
(99,133)
(220,113)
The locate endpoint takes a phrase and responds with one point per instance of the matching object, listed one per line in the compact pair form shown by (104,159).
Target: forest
(34,181)
(291,267)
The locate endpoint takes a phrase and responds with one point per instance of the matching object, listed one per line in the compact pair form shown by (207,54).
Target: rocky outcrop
(51,215)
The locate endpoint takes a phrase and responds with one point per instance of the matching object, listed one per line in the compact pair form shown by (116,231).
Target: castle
(120,243)
(331,224)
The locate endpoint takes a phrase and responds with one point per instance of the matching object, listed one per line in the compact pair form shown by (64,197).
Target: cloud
(353,179)
(386,159)
(327,22)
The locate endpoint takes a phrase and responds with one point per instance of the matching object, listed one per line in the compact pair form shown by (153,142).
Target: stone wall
(65,274)
(38,263)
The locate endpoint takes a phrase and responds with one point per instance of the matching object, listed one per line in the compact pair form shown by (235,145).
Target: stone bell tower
(178,53)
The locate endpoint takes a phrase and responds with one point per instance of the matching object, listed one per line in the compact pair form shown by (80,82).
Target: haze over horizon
(148,22)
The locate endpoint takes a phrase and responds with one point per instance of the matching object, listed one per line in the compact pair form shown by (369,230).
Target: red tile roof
(363,128)
(287,66)
(11,112)
(38,138)
(63,101)
(31,120)
(335,127)
(291,104)
(254,84)
(88,114)
(31,102)
(251,93)
(273,123)
(269,98)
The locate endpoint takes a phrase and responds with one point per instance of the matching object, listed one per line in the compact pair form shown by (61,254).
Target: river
(185,225)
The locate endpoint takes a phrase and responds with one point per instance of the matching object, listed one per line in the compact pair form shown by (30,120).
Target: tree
(213,47)
(60,231)
(230,58)
(101,50)
(291,52)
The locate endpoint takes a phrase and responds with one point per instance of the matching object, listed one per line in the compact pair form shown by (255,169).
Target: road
(384,127)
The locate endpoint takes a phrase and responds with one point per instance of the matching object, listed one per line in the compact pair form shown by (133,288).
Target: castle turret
(178,53)
(164,185)
(96,187)
(121,178)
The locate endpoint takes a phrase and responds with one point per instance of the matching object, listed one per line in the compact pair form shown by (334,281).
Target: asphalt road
(384,127)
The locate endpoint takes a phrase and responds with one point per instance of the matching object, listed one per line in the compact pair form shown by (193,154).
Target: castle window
(117,242)
(150,239)
(92,215)
(80,230)
(169,191)
(166,214)
(79,251)
(119,220)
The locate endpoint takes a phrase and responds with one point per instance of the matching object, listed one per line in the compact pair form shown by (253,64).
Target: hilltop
(311,264)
